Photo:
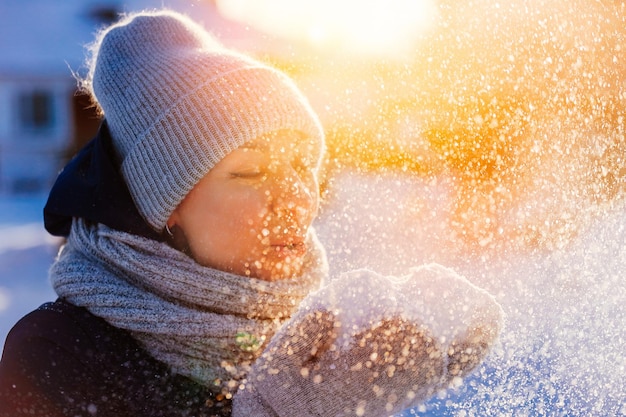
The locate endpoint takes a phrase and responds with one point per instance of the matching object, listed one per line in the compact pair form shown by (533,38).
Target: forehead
(286,142)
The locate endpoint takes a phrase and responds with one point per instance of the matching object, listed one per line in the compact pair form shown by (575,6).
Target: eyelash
(248,175)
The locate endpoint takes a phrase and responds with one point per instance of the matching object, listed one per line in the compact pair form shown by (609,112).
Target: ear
(174,219)
(177,238)
(171,225)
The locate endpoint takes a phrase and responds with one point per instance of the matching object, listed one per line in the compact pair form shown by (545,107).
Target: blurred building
(43,120)
(39,42)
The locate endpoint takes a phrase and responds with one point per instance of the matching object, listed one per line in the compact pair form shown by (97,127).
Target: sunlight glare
(375,27)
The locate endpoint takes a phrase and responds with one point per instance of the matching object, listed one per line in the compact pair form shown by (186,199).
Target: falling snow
(497,149)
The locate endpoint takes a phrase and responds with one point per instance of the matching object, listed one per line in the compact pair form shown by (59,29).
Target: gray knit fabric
(206,324)
(177,102)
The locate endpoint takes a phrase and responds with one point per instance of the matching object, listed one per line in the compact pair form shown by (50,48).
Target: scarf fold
(206,324)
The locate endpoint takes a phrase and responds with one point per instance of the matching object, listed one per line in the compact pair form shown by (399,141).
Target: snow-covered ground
(562,352)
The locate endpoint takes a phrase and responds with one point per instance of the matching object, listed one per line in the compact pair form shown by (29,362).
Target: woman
(190,245)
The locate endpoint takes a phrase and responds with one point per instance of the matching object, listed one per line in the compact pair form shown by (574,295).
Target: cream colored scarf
(206,324)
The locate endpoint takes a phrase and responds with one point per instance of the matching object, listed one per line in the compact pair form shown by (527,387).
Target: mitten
(369,345)
(464,318)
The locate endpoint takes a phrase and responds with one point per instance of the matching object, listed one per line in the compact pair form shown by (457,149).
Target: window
(35,110)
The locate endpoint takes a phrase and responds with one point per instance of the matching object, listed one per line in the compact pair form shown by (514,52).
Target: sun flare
(374,27)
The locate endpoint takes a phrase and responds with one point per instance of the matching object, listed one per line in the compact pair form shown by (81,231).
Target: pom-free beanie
(176,102)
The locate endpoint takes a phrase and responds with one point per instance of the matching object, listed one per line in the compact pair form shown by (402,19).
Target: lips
(295,248)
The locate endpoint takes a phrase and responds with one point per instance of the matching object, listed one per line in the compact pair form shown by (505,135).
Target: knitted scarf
(206,324)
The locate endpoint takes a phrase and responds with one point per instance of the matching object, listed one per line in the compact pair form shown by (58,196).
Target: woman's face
(251,213)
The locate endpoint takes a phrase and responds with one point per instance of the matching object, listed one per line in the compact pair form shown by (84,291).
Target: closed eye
(247,174)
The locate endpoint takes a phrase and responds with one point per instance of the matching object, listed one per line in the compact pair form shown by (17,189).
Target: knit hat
(176,102)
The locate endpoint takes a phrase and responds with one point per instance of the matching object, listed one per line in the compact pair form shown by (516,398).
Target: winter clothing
(91,187)
(61,360)
(369,345)
(177,102)
(205,324)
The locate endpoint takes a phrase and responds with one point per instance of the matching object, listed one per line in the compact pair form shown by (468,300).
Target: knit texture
(177,102)
(205,324)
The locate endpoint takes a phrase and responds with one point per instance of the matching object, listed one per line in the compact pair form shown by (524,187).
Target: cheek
(243,213)
(230,231)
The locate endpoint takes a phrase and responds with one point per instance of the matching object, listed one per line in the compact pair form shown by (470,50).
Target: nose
(295,197)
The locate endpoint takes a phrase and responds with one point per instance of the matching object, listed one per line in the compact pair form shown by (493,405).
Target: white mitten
(369,345)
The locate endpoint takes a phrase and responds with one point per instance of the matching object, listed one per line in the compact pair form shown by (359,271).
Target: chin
(272,268)
(280,272)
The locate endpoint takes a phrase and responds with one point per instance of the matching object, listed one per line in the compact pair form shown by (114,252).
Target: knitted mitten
(369,345)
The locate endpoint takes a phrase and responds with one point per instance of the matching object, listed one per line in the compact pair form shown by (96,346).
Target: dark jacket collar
(91,187)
